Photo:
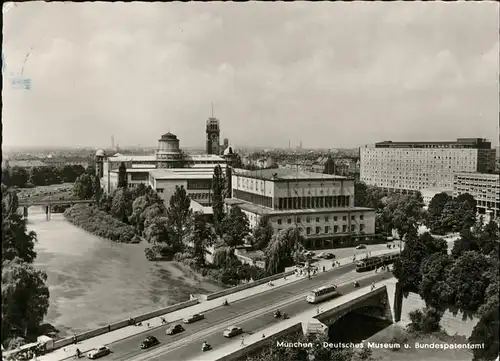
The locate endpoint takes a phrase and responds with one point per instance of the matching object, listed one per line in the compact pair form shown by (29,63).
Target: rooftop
(182,173)
(133,158)
(285,174)
(254,208)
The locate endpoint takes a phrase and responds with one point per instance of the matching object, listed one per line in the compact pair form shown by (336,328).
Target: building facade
(196,182)
(412,166)
(321,205)
(485,188)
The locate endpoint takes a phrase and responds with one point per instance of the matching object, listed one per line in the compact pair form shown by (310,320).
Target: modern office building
(412,166)
(485,188)
(321,205)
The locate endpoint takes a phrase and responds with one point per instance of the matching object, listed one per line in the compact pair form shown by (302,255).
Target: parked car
(98,352)
(194,318)
(149,341)
(321,255)
(232,331)
(329,256)
(172,330)
(360,246)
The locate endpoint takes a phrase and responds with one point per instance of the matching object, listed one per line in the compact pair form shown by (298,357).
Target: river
(94,282)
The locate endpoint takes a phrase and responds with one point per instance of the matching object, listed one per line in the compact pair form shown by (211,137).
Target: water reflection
(93,281)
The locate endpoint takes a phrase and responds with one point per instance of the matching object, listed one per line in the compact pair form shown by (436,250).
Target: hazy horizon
(332,75)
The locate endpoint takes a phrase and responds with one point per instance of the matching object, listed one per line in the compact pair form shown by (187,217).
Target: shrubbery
(99,223)
(427,321)
(227,276)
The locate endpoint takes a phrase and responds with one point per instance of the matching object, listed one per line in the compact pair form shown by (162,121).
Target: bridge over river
(49,203)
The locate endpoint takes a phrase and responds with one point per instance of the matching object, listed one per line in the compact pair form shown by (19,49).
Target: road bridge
(48,204)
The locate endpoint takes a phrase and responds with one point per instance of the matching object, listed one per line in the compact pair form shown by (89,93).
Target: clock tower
(213,136)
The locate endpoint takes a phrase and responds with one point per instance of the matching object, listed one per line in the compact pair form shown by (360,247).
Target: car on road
(232,331)
(194,318)
(149,341)
(360,246)
(329,256)
(321,255)
(174,329)
(98,352)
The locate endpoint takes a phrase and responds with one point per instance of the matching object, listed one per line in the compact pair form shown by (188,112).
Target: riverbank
(94,281)
(100,224)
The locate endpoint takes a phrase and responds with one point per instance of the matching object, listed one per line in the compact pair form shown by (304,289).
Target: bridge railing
(124,323)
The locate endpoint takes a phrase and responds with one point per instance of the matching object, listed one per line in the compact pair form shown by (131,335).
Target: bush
(427,321)
(99,223)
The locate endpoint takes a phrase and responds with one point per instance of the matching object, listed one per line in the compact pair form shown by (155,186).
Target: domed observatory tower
(168,153)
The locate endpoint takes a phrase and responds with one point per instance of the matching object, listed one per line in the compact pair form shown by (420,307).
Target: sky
(332,75)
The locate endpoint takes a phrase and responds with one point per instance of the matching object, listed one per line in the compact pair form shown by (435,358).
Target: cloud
(330,74)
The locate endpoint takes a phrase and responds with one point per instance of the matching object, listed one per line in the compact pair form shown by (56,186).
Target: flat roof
(197,207)
(278,174)
(260,210)
(169,174)
(204,157)
(132,158)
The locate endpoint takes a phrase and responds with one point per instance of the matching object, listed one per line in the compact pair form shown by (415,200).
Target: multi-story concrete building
(485,188)
(321,205)
(412,166)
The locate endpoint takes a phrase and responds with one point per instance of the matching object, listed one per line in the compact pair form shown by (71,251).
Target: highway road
(252,314)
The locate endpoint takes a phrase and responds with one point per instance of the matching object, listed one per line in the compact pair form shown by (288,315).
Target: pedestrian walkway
(120,334)
(262,335)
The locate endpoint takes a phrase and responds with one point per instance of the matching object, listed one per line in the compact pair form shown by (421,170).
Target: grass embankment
(99,223)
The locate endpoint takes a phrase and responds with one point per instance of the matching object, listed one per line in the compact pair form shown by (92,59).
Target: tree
(16,240)
(121,206)
(158,231)
(466,284)
(407,267)
(201,238)
(179,215)
(218,189)
(329,166)
(434,270)
(360,194)
(138,207)
(224,257)
(435,211)
(466,242)
(488,238)
(486,332)
(84,187)
(407,213)
(281,250)
(122,176)
(97,189)
(263,233)
(236,227)
(25,297)
(19,177)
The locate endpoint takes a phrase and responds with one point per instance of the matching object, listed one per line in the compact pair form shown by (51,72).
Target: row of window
(318,219)
(313,202)
(328,229)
